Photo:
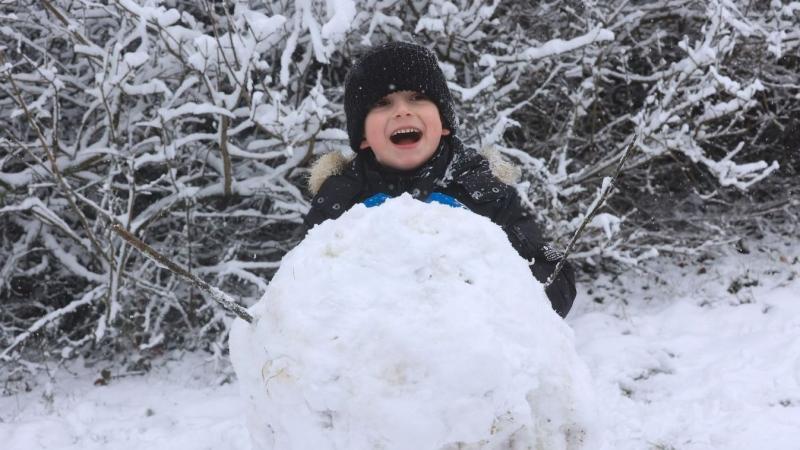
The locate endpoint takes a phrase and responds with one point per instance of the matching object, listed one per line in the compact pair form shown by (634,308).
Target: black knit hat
(393,67)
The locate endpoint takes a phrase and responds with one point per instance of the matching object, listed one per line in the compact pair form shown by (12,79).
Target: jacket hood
(334,163)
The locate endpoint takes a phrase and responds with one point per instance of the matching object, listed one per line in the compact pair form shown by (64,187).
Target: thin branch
(224,300)
(607,187)
(226,156)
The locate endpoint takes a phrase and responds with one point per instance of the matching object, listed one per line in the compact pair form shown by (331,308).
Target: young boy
(402,126)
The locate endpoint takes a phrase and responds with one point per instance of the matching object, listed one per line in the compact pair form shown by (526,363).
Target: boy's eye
(419,97)
(382,102)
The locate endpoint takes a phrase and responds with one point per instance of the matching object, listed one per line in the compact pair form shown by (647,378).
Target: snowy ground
(179,406)
(701,357)
(704,356)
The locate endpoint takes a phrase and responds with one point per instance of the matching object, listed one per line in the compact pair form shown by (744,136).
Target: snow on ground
(701,357)
(705,356)
(178,406)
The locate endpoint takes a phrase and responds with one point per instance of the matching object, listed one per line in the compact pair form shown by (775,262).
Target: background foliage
(193,124)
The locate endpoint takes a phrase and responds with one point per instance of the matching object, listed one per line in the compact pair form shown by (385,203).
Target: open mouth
(405,136)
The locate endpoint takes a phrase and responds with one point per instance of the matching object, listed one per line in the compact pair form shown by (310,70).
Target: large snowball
(409,326)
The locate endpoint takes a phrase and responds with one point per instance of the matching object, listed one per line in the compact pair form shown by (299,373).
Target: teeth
(405,130)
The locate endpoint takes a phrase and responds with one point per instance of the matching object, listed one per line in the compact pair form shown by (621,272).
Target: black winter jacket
(464,175)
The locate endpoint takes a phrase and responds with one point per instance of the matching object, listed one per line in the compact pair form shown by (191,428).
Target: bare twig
(223,299)
(607,188)
(226,156)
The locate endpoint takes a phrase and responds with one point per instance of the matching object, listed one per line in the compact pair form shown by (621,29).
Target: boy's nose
(401,109)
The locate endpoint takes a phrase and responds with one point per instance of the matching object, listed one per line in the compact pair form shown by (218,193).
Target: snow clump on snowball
(410,326)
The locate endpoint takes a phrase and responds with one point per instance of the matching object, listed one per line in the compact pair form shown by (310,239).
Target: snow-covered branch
(193,125)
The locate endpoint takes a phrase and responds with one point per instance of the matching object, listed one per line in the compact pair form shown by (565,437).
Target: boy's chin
(403,162)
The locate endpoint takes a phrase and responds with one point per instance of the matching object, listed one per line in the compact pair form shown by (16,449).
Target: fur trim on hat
(334,163)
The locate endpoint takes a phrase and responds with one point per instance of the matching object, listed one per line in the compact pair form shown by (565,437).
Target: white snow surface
(178,406)
(410,326)
(685,353)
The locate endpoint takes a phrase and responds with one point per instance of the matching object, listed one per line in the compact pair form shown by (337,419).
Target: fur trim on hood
(325,166)
(333,163)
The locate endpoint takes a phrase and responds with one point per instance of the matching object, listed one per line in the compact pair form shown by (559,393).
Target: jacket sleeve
(527,239)
(486,195)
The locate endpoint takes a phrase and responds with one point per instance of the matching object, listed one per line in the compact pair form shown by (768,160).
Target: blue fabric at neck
(434,197)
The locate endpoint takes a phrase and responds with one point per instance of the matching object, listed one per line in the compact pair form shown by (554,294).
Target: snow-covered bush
(363,341)
(192,124)
(705,85)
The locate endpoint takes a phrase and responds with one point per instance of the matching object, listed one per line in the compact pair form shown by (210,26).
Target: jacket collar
(458,157)
(418,182)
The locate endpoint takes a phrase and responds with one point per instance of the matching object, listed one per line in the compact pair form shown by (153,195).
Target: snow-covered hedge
(192,124)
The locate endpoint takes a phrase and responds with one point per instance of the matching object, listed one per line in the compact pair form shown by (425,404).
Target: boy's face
(403,130)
